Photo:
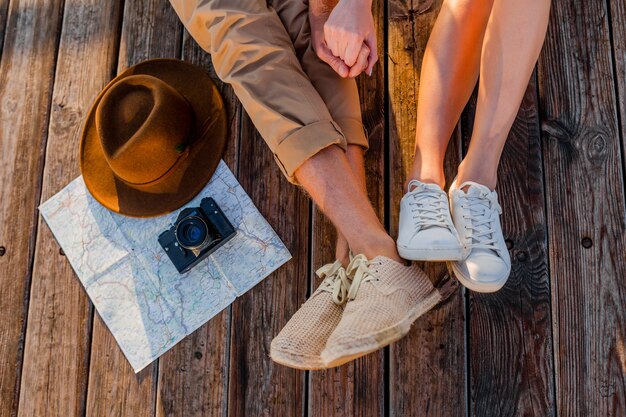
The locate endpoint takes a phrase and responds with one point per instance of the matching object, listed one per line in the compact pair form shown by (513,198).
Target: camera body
(196,233)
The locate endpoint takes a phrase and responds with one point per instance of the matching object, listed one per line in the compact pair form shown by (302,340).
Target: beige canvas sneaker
(384,299)
(300,342)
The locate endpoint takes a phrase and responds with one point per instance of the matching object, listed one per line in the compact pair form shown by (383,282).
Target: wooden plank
(193,376)
(510,334)
(585,209)
(4,11)
(257,385)
(618,40)
(114,389)
(433,353)
(26,78)
(357,388)
(56,356)
(150,29)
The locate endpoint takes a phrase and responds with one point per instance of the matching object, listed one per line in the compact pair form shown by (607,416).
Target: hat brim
(204,153)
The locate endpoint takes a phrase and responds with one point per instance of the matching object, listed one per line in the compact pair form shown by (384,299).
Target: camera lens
(192,232)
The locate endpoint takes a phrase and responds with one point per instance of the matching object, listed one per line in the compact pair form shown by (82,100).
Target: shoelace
(429,207)
(335,281)
(483,211)
(359,269)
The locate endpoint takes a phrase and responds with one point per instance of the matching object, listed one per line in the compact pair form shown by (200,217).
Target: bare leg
(329,179)
(357,163)
(448,76)
(512,42)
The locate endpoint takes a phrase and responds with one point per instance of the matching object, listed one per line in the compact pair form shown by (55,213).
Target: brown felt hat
(153,138)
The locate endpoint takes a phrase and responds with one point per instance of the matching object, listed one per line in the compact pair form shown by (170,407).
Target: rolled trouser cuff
(354,132)
(307,141)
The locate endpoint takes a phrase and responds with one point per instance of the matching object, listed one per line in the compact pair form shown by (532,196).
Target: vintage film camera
(197,233)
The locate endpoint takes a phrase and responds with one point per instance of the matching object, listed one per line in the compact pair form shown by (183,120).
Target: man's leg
(357,163)
(511,46)
(448,76)
(339,94)
(335,188)
(252,51)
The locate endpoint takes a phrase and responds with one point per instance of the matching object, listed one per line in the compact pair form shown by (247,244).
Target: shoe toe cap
(487,268)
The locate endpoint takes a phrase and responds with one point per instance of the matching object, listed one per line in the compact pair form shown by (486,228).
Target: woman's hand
(319,12)
(349,27)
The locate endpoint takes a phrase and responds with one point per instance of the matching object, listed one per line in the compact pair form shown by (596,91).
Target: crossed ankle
(343,257)
(373,246)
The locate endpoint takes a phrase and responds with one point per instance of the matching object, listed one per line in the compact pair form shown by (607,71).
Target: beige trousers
(263,49)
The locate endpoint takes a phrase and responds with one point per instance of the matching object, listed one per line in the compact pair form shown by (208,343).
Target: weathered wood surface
(357,388)
(585,209)
(150,29)
(57,55)
(427,368)
(258,386)
(193,376)
(56,356)
(4,10)
(618,41)
(26,78)
(510,334)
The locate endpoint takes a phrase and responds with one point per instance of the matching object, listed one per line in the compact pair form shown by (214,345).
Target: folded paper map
(144,301)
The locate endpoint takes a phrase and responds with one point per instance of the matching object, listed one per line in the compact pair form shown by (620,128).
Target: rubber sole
(290,360)
(337,355)
(486,287)
(448,254)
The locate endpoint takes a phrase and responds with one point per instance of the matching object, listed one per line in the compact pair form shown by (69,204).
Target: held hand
(362,62)
(349,27)
(317,18)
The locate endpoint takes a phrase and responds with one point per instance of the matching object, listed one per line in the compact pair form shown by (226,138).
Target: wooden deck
(551,343)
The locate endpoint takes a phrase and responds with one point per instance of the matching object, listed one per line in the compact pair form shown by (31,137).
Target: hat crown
(184,108)
(144,126)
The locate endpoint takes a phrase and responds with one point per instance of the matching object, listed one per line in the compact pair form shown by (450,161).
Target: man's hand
(350,25)
(319,11)
(318,14)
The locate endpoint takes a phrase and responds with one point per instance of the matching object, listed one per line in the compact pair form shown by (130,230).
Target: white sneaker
(426,231)
(476,215)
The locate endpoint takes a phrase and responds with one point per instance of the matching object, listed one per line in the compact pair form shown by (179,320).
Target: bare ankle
(480,175)
(342,252)
(429,177)
(376,245)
